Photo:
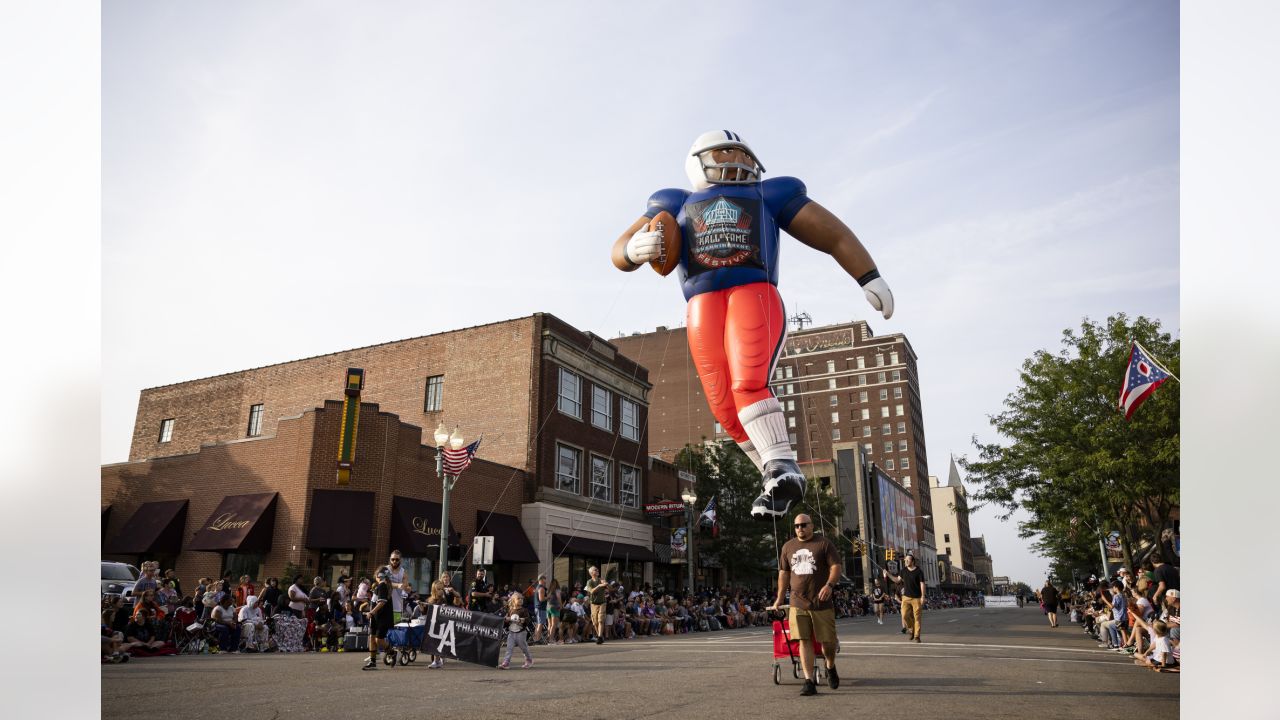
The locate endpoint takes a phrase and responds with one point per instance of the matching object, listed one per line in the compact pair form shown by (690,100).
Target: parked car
(118,578)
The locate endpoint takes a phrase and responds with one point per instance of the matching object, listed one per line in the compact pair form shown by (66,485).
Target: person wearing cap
(1172,614)
(912,581)
(380,618)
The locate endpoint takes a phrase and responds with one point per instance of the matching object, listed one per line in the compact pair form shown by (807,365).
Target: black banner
(462,634)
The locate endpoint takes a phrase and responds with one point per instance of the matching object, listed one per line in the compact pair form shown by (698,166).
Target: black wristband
(870,275)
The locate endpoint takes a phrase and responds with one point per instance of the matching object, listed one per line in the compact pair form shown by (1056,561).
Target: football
(669,258)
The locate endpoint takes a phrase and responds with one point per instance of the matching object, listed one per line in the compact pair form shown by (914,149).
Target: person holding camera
(597,591)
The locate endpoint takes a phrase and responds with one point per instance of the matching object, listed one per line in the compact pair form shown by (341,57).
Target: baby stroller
(786,648)
(403,642)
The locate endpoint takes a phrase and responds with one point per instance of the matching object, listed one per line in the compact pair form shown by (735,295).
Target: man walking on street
(596,590)
(912,580)
(810,567)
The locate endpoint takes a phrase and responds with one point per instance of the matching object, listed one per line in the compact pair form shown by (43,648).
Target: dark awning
(415,527)
(156,528)
(340,520)
(565,545)
(510,544)
(241,523)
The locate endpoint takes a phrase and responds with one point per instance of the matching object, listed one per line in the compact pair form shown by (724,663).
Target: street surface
(972,663)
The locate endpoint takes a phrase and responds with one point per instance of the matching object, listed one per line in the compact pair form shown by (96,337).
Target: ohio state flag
(1140,380)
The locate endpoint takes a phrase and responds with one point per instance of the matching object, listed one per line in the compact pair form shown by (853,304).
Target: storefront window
(419,570)
(335,565)
(250,564)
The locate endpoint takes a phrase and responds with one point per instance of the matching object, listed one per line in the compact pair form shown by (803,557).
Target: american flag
(708,517)
(1140,380)
(455,461)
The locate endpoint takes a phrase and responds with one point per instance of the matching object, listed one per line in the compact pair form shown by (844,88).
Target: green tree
(747,548)
(1067,456)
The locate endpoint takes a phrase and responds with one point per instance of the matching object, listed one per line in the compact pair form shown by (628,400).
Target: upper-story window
(569,469)
(434,401)
(629,486)
(166,430)
(893,358)
(630,420)
(255,421)
(831,366)
(601,408)
(570,402)
(601,479)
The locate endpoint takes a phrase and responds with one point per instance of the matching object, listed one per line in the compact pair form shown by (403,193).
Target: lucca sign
(420,526)
(227,521)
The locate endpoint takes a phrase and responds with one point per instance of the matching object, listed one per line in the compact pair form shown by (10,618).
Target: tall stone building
(837,384)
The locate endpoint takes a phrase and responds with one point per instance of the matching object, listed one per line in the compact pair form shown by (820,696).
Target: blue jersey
(730,232)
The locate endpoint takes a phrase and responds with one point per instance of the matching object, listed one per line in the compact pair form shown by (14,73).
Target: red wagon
(785,648)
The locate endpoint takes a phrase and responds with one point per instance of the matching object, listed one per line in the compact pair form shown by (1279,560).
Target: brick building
(837,384)
(165,508)
(561,410)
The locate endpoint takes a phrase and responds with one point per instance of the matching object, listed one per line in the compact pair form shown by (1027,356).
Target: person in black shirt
(1049,598)
(912,580)
(380,618)
(481,593)
(1167,578)
(270,600)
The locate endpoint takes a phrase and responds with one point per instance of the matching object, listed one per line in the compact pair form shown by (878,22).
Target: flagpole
(1155,362)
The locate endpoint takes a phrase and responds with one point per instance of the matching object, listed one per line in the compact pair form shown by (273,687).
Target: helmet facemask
(703,171)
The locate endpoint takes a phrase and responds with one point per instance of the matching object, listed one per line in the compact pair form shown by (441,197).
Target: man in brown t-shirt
(810,568)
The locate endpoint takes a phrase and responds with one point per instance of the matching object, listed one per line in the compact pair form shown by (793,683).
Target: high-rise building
(837,384)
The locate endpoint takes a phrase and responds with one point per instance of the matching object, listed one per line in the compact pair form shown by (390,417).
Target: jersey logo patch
(724,234)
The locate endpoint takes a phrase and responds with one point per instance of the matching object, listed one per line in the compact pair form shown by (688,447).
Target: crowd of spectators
(292,615)
(1134,614)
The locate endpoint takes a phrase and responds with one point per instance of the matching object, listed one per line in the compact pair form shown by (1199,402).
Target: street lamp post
(689,498)
(442,436)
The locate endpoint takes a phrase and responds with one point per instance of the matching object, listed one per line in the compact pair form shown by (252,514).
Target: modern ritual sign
(464,635)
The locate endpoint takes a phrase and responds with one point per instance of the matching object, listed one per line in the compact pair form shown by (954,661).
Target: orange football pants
(736,336)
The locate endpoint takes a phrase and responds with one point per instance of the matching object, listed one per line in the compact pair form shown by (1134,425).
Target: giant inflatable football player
(728,269)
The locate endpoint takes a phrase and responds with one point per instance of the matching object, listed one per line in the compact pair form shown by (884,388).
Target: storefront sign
(227,521)
(465,635)
(422,527)
(664,509)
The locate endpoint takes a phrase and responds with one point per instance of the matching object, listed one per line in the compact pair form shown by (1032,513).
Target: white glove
(644,245)
(879,295)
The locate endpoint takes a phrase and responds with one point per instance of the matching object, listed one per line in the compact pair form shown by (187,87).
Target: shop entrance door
(334,565)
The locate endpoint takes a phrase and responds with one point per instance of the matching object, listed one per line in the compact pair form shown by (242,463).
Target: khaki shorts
(813,623)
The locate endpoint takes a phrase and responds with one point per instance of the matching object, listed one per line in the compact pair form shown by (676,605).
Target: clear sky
(288,179)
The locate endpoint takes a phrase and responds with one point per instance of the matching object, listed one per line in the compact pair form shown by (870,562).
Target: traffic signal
(889,554)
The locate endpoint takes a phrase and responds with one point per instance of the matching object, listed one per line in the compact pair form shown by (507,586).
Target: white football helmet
(699,161)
